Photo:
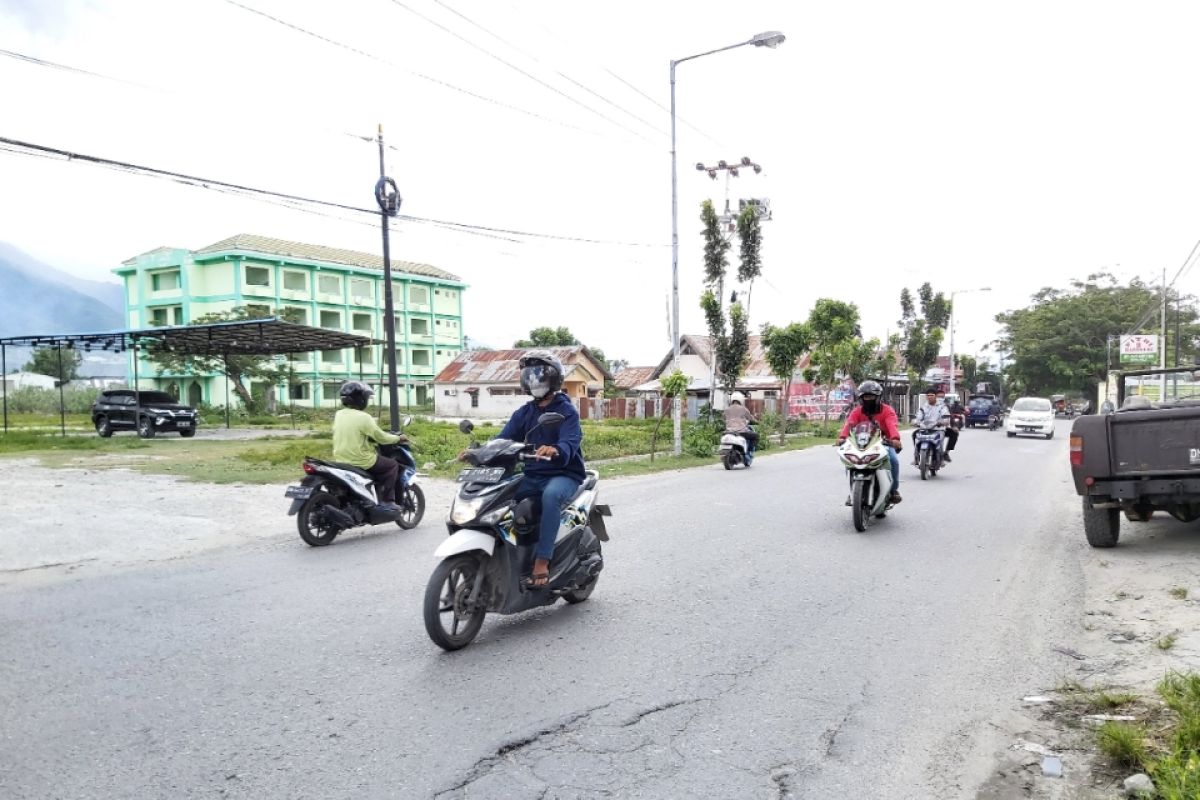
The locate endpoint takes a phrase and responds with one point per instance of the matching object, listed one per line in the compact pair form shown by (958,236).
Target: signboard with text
(1139,349)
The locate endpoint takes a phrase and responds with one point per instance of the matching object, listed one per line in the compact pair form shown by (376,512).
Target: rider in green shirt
(355,434)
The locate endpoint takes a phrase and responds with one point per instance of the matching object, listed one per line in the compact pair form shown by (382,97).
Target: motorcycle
(870,470)
(993,422)
(333,497)
(929,453)
(735,450)
(958,420)
(492,540)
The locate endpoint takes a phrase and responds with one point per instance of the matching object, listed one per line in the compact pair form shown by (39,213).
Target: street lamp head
(771,39)
(700,166)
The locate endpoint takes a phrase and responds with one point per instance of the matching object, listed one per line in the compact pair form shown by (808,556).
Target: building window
(365,355)
(474,399)
(164,281)
(331,390)
(331,320)
(419,327)
(420,358)
(418,295)
(295,281)
(329,284)
(399,358)
(331,356)
(360,292)
(300,358)
(166,315)
(299,391)
(294,314)
(364,323)
(258,276)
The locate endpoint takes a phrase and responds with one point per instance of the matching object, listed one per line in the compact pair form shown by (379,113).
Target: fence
(601,408)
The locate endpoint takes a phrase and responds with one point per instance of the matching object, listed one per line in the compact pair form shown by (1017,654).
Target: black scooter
(334,497)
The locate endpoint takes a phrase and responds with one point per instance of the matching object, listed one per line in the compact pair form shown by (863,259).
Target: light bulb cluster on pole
(768,39)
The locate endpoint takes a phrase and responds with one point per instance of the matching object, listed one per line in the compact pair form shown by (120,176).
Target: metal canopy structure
(268,336)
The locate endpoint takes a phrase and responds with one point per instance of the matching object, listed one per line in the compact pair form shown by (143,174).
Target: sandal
(538,579)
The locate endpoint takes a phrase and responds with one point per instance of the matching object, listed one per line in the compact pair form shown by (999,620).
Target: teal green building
(320,286)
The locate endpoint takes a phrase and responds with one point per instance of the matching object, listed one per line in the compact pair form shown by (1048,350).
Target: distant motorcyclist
(355,434)
(951,431)
(931,414)
(738,419)
(871,409)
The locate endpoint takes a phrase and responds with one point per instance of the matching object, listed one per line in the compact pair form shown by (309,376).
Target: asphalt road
(744,641)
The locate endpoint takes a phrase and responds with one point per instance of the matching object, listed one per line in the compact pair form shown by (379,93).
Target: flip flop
(537,580)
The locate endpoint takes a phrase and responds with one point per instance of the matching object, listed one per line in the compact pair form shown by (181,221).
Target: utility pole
(1162,346)
(729,222)
(388,198)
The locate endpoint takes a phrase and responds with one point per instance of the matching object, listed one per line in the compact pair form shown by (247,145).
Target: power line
(421,75)
(30,149)
(556,71)
(514,67)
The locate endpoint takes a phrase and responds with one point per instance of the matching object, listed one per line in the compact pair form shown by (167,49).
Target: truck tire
(1102,526)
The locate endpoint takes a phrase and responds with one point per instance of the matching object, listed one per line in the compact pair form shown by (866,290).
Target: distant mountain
(109,293)
(36,299)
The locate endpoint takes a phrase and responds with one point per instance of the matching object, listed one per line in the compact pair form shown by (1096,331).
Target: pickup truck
(148,413)
(1143,457)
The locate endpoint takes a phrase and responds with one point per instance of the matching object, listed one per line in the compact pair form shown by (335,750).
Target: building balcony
(420,369)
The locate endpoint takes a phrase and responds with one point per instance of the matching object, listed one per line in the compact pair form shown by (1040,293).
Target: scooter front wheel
(412,503)
(924,463)
(448,621)
(859,501)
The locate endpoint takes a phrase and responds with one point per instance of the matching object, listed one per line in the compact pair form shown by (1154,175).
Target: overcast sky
(1012,145)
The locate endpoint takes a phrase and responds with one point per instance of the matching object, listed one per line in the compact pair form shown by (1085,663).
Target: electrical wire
(421,75)
(556,71)
(30,149)
(514,67)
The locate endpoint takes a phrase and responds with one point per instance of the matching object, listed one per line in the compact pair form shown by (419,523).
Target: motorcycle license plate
(298,492)
(481,475)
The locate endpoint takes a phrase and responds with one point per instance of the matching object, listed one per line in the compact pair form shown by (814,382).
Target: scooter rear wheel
(314,530)
(448,622)
(579,595)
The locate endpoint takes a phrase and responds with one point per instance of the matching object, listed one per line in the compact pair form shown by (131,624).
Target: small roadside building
(481,383)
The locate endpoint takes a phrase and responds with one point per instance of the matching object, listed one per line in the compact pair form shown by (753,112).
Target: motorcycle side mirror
(466,426)
(550,418)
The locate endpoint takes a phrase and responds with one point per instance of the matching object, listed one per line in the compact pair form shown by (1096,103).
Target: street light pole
(950,393)
(771,39)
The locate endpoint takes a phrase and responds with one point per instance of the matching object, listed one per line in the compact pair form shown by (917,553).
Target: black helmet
(356,394)
(541,373)
(869,387)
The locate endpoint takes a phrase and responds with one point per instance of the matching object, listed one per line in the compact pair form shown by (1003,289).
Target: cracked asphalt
(744,642)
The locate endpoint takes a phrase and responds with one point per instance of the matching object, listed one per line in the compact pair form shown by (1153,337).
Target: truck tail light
(1076,451)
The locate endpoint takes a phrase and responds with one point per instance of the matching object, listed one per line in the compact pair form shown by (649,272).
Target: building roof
(250,243)
(756,364)
(500,366)
(633,376)
(264,245)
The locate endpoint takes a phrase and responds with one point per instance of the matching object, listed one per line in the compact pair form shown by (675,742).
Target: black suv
(118,410)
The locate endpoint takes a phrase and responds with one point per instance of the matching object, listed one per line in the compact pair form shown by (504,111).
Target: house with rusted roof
(483,383)
(629,378)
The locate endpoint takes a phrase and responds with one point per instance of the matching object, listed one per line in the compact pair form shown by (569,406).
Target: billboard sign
(1139,349)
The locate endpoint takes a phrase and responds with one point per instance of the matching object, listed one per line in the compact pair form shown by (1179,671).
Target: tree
(783,348)
(237,369)
(44,361)
(834,327)
(921,336)
(749,229)
(970,370)
(1060,343)
(673,386)
(548,337)
(730,338)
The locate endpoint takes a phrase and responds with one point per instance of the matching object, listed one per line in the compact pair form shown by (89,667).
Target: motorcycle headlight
(464,511)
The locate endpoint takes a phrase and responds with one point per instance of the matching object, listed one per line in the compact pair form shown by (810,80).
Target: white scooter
(865,457)
(735,450)
(492,542)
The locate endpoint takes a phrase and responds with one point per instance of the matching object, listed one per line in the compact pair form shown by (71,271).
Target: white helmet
(737,397)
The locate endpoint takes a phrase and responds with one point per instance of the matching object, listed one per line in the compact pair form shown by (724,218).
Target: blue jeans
(895,459)
(554,493)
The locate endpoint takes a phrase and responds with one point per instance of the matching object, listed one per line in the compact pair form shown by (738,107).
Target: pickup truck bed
(1135,461)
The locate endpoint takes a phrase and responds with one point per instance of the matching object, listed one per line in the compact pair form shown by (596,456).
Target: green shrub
(700,439)
(1125,744)
(34,400)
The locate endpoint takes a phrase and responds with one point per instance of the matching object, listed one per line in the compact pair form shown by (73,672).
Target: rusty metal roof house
(488,382)
(695,359)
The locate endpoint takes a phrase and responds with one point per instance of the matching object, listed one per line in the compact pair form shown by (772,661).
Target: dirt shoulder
(1141,620)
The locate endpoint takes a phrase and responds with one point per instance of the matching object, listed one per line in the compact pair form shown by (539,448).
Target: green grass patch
(1179,593)
(1108,701)
(21,442)
(1123,743)
(1167,642)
